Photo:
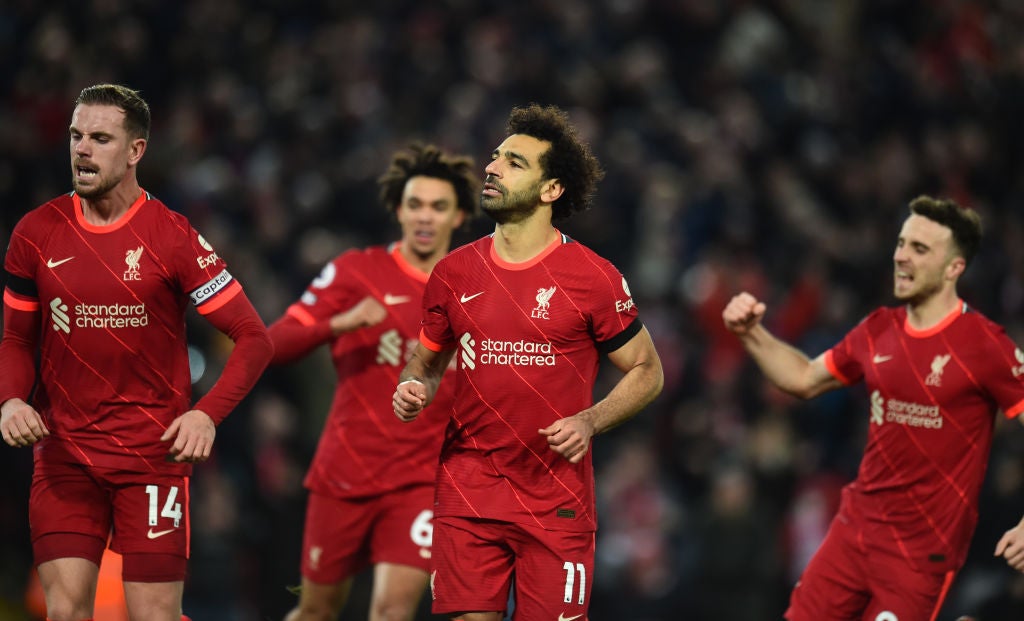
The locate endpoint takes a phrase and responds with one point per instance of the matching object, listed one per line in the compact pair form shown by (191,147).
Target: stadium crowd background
(769,146)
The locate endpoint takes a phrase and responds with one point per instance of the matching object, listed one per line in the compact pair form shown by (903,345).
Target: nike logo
(161,533)
(879,359)
(465,298)
(562,617)
(391,300)
(51,263)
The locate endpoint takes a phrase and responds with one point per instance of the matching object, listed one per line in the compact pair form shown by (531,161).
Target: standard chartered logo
(468,353)
(885,615)
(904,413)
(389,348)
(104,316)
(506,353)
(877,408)
(59,315)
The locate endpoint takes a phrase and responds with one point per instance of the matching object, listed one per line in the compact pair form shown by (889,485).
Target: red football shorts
(847,580)
(342,537)
(474,561)
(73,509)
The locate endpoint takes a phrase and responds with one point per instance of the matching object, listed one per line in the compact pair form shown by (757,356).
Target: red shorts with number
(344,536)
(847,581)
(74,509)
(475,560)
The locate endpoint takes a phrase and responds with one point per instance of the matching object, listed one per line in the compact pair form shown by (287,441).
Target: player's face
(512,188)
(922,259)
(428,214)
(100,149)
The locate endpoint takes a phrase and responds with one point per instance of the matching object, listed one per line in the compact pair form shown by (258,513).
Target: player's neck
(929,312)
(107,209)
(422,262)
(521,241)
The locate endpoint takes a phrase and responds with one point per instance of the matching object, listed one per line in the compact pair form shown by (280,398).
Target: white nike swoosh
(880,359)
(51,263)
(391,300)
(465,298)
(562,617)
(161,533)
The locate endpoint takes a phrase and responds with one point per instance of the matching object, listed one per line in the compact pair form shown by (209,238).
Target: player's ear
(135,151)
(551,190)
(956,266)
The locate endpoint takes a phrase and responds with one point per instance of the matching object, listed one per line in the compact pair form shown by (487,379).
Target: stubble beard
(103,187)
(513,207)
(918,297)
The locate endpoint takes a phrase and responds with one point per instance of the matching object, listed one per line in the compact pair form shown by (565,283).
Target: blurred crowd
(769,146)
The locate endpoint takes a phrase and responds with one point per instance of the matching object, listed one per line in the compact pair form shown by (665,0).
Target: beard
(511,207)
(103,186)
(919,295)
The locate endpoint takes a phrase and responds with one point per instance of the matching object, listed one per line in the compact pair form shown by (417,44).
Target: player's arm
(193,432)
(418,381)
(298,332)
(641,382)
(784,365)
(20,423)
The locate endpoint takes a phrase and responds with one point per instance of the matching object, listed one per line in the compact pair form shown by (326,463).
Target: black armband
(20,286)
(621,338)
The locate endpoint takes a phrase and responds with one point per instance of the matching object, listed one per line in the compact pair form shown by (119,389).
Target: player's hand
(20,424)
(409,400)
(570,437)
(367,312)
(1011,547)
(193,433)
(742,313)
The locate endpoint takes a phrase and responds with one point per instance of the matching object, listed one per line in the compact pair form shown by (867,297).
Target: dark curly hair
(427,160)
(136,110)
(965,223)
(569,159)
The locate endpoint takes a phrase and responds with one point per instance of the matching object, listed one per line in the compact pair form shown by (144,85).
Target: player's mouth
(424,235)
(492,189)
(85,172)
(902,276)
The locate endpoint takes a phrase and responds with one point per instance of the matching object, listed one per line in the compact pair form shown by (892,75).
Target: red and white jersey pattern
(527,338)
(114,366)
(365,449)
(933,398)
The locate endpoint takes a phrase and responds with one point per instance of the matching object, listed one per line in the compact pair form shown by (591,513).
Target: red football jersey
(113,365)
(528,337)
(365,449)
(934,395)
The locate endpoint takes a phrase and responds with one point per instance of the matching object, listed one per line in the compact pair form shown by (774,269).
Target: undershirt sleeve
(253,351)
(17,350)
(294,339)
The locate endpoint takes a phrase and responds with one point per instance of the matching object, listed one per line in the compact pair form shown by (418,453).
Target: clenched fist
(743,313)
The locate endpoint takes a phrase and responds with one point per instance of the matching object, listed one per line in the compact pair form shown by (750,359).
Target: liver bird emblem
(132,257)
(544,297)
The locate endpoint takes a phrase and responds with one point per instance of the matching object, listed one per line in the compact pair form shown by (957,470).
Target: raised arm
(642,381)
(784,365)
(297,332)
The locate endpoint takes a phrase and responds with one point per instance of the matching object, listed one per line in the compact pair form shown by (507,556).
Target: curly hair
(136,110)
(427,160)
(965,223)
(569,159)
